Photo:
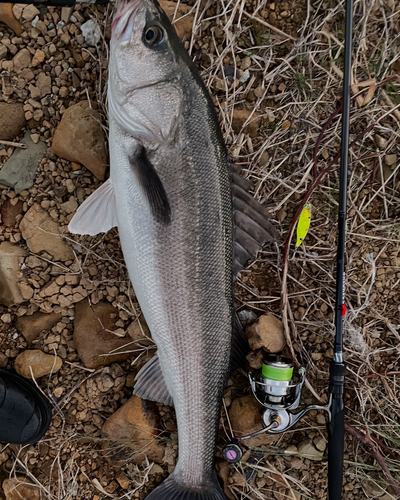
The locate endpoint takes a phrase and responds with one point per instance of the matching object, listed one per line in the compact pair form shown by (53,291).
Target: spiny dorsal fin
(151,185)
(252,222)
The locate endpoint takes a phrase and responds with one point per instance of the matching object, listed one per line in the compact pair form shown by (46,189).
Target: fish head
(147,65)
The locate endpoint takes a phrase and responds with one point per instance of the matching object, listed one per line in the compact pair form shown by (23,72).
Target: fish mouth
(124,11)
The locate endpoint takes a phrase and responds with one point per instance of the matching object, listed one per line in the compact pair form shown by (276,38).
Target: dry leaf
(370,95)
(286,124)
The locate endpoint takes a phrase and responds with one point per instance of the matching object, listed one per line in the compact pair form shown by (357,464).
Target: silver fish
(170,194)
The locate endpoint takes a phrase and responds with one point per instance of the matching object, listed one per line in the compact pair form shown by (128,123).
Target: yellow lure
(303,226)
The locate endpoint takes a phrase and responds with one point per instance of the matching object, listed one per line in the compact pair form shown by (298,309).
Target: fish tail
(171,489)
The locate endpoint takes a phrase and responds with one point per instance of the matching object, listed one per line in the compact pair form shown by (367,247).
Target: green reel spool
(281,374)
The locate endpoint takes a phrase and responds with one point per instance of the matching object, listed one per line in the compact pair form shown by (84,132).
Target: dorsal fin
(253,227)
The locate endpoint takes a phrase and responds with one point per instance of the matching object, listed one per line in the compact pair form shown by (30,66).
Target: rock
(66,14)
(12,119)
(3,52)
(123,480)
(320,443)
(245,418)
(43,83)
(11,259)
(80,138)
(95,343)
(390,159)
(3,360)
(40,363)
(70,206)
(223,471)
(239,118)
(266,332)
(31,326)
(18,488)
(308,450)
(38,58)
(183,26)
(41,234)
(139,331)
(133,430)
(30,12)
(91,32)
(19,171)
(9,210)
(255,359)
(7,17)
(22,60)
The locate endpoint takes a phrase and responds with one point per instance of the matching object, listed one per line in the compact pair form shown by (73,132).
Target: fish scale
(170,195)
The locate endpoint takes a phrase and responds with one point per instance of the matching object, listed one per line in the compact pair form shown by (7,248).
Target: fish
(187,226)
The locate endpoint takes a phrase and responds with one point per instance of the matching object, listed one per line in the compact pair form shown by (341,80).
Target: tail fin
(170,489)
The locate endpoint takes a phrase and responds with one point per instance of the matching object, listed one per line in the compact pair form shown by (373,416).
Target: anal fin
(150,383)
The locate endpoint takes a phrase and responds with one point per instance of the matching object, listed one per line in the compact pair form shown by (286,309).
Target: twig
(13,144)
(366,439)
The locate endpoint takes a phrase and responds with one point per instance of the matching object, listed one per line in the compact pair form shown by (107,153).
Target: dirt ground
(274,72)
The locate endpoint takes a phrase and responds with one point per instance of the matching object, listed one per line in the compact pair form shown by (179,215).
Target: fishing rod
(275,389)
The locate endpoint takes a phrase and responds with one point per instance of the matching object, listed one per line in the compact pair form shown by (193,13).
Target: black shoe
(25,413)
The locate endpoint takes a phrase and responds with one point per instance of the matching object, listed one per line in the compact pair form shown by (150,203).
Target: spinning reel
(276,391)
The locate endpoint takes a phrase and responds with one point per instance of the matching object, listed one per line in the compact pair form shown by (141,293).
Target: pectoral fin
(97,214)
(152,186)
(150,383)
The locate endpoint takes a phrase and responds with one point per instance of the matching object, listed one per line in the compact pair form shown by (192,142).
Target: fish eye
(153,35)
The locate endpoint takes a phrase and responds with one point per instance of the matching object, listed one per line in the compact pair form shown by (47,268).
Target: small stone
(35,138)
(281,215)
(22,60)
(19,171)
(38,58)
(19,488)
(30,12)
(63,92)
(80,138)
(3,360)
(12,120)
(31,326)
(42,233)
(11,259)
(320,443)
(9,211)
(70,206)
(91,32)
(132,428)
(245,418)
(7,17)
(104,382)
(266,332)
(6,318)
(390,159)
(93,337)
(123,480)
(43,83)
(66,14)
(308,450)
(184,23)
(40,363)
(246,63)
(240,117)
(3,52)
